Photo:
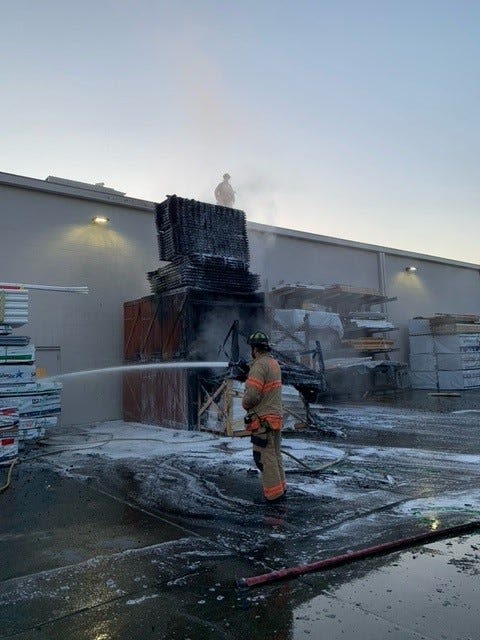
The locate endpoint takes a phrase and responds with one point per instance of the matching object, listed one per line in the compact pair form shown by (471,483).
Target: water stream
(140,367)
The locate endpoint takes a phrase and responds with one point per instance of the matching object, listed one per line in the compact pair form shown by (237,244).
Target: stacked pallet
(186,227)
(445,352)
(206,245)
(206,273)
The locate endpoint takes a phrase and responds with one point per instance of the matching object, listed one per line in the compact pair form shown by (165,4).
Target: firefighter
(224,193)
(262,401)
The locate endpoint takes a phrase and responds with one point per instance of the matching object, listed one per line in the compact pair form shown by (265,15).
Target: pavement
(120,530)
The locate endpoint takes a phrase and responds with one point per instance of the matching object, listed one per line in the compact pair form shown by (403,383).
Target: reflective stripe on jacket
(263,393)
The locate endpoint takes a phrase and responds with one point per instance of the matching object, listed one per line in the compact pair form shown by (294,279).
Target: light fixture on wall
(100,220)
(410,269)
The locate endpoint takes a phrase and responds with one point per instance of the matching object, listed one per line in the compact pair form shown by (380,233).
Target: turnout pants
(268,458)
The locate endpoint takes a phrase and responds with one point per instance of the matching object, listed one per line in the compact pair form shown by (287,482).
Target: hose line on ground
(9,476)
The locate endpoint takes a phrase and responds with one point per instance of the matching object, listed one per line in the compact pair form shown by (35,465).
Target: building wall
(434,288)
(50,239)
(437,287)
(292,259)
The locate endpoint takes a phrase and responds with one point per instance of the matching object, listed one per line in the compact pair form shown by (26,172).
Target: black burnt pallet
(209,274)
(186,227)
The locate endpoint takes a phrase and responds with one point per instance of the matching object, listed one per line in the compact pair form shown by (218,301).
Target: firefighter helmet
(259,339)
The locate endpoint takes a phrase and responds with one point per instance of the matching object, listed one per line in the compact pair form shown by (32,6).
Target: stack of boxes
(445,352)
(27,407)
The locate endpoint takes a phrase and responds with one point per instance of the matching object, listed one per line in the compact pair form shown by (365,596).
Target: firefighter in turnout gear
(262,401)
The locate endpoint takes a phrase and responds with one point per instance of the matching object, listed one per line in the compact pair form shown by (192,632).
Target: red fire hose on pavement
(369,552)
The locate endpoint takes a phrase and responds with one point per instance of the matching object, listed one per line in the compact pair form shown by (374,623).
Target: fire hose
(369,552)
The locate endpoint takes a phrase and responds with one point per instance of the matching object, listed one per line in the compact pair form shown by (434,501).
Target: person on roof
(262,401)
(224,194)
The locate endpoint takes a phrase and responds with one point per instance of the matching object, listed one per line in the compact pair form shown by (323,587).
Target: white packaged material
(8,435)
(17,354)
(465,379)
(423,379)
(13,306)
(421,344)
(460,343)
(33,405)
(419,327)
(293,320)
(17,374)
(423,362)
(457,361)
(8,445)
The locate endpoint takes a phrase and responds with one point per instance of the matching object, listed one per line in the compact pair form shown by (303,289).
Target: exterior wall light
(410,269)
(100,220)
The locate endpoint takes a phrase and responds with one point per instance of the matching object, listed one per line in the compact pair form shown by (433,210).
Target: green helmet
(259,339)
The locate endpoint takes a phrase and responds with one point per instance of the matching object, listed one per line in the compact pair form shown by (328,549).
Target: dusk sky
(356,119)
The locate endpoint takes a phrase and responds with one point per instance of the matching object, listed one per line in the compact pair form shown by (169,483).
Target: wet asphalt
(95,556)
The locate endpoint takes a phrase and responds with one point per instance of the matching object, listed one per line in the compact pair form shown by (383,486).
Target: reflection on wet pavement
(135,539)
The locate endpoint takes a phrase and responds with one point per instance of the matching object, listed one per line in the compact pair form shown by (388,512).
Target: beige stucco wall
(50,239)
(436,287)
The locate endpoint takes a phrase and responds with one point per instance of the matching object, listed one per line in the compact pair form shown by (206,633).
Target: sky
(358,119)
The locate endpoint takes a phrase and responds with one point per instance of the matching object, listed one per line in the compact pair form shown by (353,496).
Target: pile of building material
(445,352)
(206,245)
(209,273)
(370,344)
(205,287)
(296,330)
(27,407)
(13,307)
(8,435)
(352,335)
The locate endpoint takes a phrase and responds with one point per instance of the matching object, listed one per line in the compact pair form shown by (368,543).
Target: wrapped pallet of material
(21,354)
(13,307)
(421,344)
(424,379)
(423,362)
(458,380)
(419,327)
(460,343)
(17,374)
(458,361)
(38,406)
(295,320)
(8,435)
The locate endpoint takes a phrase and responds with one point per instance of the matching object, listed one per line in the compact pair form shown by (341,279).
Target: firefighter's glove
(240,370)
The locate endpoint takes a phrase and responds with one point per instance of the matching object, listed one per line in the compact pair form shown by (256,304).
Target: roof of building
(99,193)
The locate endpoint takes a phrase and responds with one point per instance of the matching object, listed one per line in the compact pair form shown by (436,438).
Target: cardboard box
(419,327)
(421,344)
(458,361)
(424,379)
(464,379)
(423,362)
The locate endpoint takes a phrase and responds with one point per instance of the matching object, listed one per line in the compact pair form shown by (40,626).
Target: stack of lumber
(452,324)
(369,344)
